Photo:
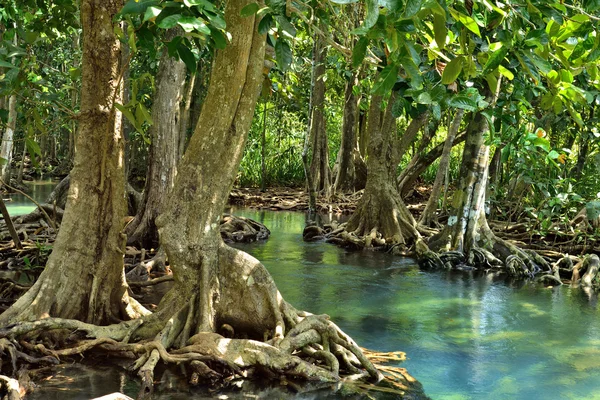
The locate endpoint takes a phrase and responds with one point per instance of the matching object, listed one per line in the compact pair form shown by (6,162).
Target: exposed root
(490,253)
(241,229)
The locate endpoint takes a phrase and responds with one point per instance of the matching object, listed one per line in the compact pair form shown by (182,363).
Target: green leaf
(285,25)
(74,73)
(218,38)
(249,10)
(137,7)
(187,57)
(452,70)
(190,24)
(372,14)
(31,36)
(506,73)
(467,21)
(359,51)
(543,65)
(386,80)
(463,102)
(170,21)
(283,54)
(151,13)
(412,7)
(4,64)
(400,106)
(265,24)
(424,98)
(129,115)
(440,30)
(495,59)
(32,147)
(344,1)
(216,20)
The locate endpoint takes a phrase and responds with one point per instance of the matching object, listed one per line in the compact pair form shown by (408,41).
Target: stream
(466,336)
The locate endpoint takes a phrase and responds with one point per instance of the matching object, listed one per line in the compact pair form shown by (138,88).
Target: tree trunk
(189,224)
(164,150)
(7,139)
(411,173)
(345,180)
(22,165)
(185,114)
(319,166)
(467,232)
(429,216)
(381,214)
(84,276)
(416,124)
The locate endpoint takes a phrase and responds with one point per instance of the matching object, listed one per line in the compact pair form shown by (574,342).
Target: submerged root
(490,254)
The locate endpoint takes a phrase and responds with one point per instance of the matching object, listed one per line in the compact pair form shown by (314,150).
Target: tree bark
(429,215)
(164,149)
(185,114)
(84,276)
(345,180)
(381,211)
(189,224)
(467,232)
(319,165)
(7,139)
(411,173)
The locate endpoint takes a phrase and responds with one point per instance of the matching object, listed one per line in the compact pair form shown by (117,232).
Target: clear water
(38,190)
(467,337)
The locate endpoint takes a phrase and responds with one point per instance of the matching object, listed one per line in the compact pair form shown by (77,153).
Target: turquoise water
(466,337)
(38,190)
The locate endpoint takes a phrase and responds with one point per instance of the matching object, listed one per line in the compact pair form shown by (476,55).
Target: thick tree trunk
(319,165)
(381,216)
(189,224)
(429,215)
(84,276)
(164,150)
(345,180)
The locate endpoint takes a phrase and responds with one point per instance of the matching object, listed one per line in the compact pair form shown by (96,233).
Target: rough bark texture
(164,150)
(429,215)
(189,224)
(319,165)
(467,238)
(89,247)
(381,214)
(345,180)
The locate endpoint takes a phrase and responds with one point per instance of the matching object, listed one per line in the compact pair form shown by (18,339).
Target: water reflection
(467,335)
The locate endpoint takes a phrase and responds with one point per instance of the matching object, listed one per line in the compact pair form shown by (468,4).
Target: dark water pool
(466,337)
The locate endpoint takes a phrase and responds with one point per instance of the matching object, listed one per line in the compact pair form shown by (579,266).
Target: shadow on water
(467,336)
